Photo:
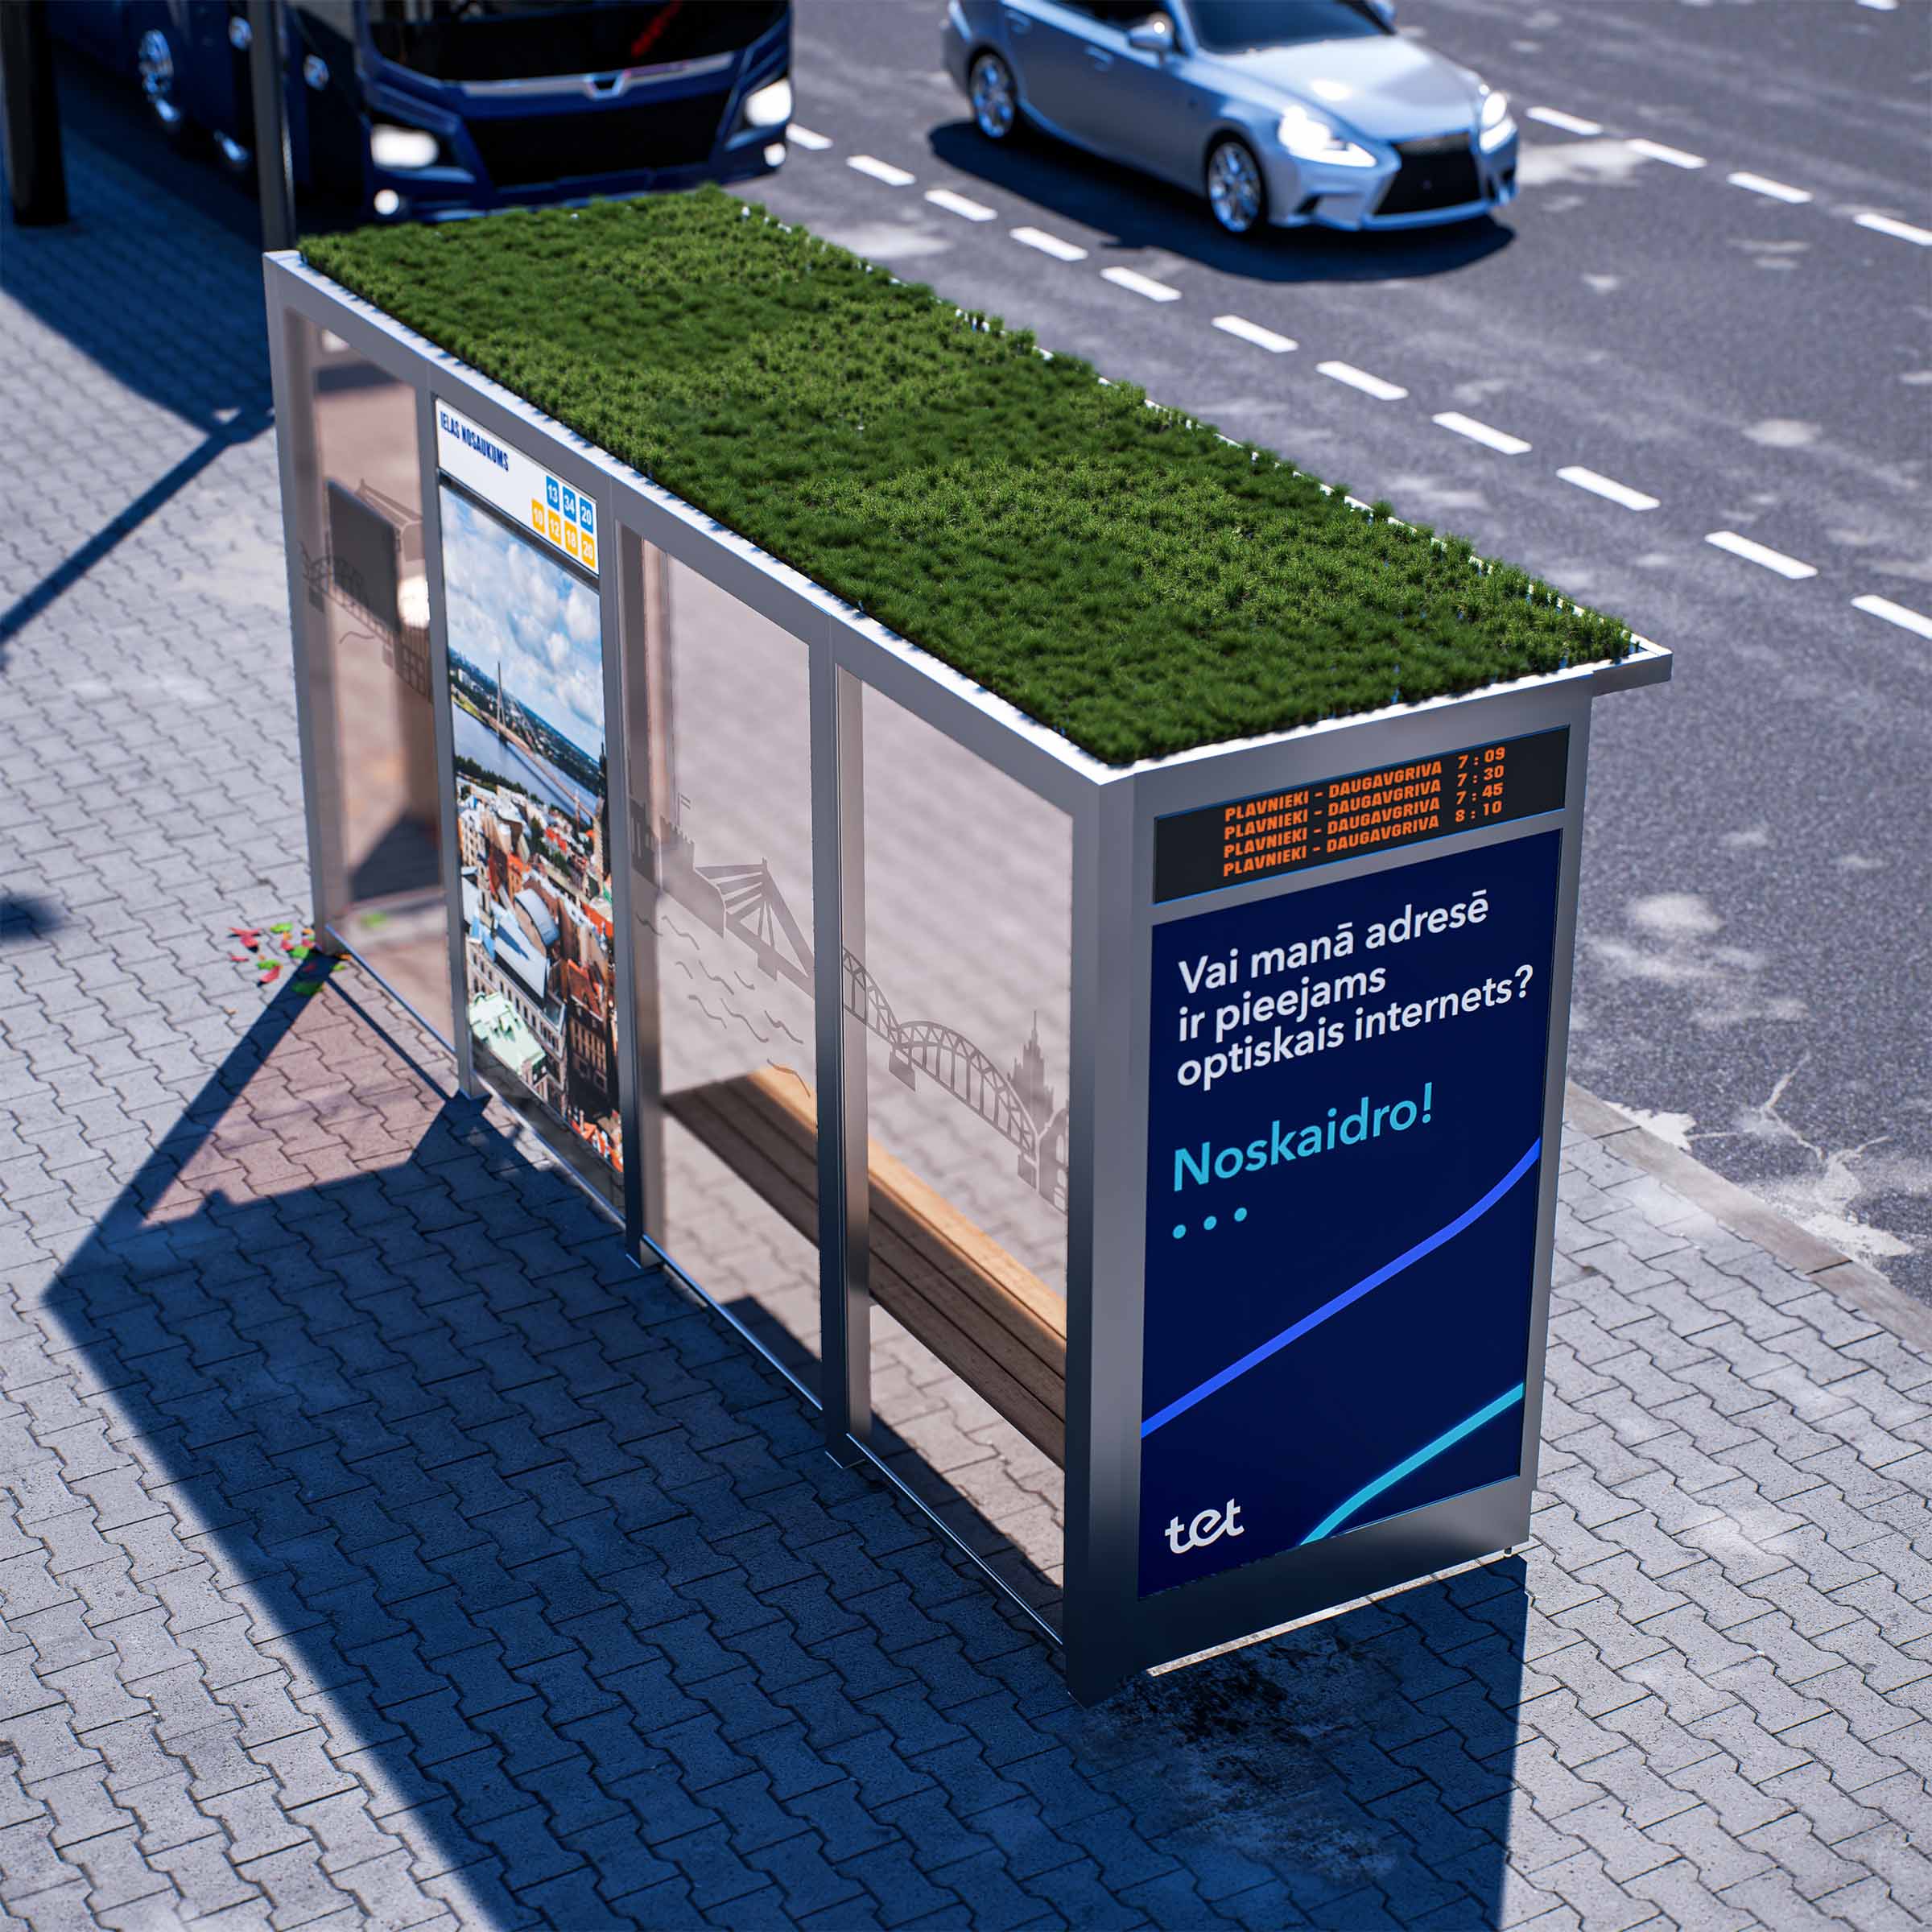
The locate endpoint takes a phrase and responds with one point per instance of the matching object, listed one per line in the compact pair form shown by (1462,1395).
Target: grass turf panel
(1118,572)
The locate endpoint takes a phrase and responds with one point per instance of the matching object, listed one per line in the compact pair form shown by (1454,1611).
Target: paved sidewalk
(377,1547)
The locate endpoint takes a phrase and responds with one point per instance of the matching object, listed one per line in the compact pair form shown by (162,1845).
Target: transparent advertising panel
(364,612)
(961,980)
(525,627)
(718,735)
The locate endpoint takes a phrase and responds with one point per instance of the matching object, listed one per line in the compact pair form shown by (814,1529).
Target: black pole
(36,178)
(266,72)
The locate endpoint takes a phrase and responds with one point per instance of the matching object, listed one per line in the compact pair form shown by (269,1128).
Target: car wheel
(155,63)
(1236,194)
(996,100)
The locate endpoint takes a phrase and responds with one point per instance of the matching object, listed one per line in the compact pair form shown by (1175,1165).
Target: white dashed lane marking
(1605,486)
(1253,332)
(1895,613)
(880,171)
(1359,379)
(1571,124)
(1049,245)
(1756,184)
(1141,285)
(1904,231)
(1655,150)
(958,204)
(1453,420)
(1481,432)
(1758,553)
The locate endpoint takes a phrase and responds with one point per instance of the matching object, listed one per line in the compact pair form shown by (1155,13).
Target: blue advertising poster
(1345,1151)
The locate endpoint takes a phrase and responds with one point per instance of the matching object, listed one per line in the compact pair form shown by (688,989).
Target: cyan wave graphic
(1388,1270)
(1409,1463)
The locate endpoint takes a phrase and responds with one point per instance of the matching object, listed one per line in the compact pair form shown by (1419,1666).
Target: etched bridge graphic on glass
(744,900)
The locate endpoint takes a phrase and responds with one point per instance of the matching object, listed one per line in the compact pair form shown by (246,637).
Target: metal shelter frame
(1108,1630)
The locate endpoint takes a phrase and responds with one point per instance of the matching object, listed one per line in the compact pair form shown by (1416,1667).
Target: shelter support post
(838,870)
(1106,1155)
(467,1080)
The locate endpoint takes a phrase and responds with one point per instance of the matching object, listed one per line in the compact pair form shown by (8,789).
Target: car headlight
(1309,138)
(1496,125)
(402,147)
(770,106)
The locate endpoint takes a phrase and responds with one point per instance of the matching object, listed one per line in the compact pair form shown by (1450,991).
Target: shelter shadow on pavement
(1139,212)
(517,1558)
(113,298)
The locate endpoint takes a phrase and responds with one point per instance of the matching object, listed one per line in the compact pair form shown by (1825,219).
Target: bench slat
(1006,1290)
(982,1314)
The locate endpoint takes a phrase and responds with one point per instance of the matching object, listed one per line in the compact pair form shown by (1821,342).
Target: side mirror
(1384,11)
(1152,36)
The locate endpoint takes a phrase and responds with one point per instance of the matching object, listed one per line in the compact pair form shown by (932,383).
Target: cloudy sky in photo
(507,600)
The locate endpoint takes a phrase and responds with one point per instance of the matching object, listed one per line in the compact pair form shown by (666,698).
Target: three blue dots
(1208,1226)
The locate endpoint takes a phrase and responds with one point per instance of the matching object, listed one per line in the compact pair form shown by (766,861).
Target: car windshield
(1237,27)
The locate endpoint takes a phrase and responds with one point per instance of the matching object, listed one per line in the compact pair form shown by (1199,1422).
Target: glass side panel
(364,614)
(962,981)
(718,736)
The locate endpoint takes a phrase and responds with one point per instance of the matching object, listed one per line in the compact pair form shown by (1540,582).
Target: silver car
(1281,112)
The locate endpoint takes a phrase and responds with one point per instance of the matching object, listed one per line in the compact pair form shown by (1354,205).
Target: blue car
(1279,113)
(421,108)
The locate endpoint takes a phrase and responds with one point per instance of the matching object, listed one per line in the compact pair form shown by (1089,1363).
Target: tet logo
(1209,1526)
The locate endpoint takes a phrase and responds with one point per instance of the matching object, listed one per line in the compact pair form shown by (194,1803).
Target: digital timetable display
(1361,811)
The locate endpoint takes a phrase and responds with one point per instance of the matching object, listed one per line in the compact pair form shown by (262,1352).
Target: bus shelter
(1148,1165)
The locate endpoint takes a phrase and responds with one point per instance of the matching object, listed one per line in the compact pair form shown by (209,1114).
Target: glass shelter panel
(718,741)
(363,618)
(958,969)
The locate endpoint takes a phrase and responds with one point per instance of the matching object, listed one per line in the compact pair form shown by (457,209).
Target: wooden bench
(994,1324)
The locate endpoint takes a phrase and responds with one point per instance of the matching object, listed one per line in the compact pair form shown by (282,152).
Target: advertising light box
(1345,1135)
(525,674)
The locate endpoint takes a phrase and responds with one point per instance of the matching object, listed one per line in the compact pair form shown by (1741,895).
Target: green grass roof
(1118,572)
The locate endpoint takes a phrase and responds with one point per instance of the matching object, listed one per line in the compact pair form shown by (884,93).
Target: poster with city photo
(527,700)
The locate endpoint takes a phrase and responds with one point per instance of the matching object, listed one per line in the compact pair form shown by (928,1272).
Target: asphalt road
(1755,955)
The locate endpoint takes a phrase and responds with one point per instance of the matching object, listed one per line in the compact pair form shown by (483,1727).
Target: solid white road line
(1253,332)
(1880,6)
(1571,124)
(1894,613)
(880,171)
(1141,285)
(958,204)
(805,137)
(1603,486)
(1655,150)
(1049,245)
(1756,553)
(1756,184)
(1884,224)
(1481,432)
(1357,378)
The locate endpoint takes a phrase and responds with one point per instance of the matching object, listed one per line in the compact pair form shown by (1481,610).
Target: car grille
(522,150)
(1434,174)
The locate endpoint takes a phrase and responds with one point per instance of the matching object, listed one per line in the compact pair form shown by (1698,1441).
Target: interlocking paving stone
(378,1547)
